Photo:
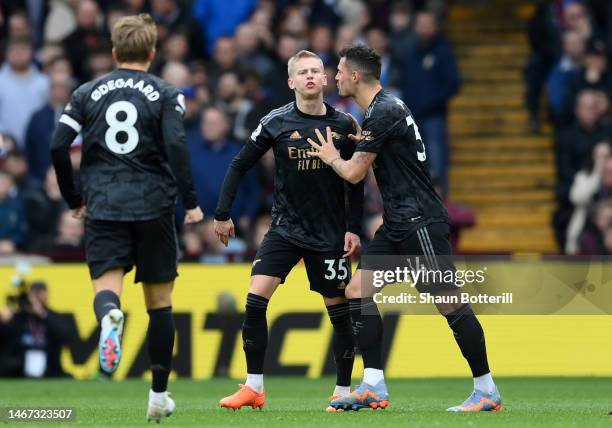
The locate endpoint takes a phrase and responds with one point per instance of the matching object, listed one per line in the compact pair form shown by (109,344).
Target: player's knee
(353,290)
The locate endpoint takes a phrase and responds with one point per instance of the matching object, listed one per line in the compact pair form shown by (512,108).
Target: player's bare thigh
(264,285)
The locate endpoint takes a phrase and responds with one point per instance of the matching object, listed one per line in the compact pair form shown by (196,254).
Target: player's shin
(343,346)
(160,342)
(255,339)
(368,328)
(470,337)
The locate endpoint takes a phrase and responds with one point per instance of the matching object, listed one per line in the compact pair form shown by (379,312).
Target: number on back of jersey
(121,116)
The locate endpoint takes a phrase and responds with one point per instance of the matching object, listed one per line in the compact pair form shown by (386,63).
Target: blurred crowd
(230,60)
(571,49)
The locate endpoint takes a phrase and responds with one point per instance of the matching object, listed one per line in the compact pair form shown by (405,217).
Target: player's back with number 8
(134,164)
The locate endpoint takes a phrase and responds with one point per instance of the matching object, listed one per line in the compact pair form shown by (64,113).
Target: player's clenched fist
(193,216)
(224,230)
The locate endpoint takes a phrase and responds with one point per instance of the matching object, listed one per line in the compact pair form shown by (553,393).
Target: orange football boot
(246,396)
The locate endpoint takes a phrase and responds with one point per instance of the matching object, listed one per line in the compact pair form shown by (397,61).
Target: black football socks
(160,342)
(343,342)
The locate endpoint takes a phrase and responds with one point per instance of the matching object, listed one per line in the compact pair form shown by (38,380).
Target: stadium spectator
(595,238)
(573,148)
(211,155)
(276,81)
(87,36)
(12,218)
(564,71)
(23,89)
(250,52)
(390,72)
(401,36)
(224,59)
(595,74)
(42,125)
(574,145)
(172,19)
(431,79)
(44,207)
(587,184)
(32,336)
(321,42)
(66,242)
(219,18)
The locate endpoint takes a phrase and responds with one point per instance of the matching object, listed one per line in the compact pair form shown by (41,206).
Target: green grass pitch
(297,402)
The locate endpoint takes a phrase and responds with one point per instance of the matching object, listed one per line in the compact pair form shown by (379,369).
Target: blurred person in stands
(588,185)
(391,75)
(43,123)
(250,52)
(220,18)
(594,74)
(224,59)
(173,18)
(595,238)
(87,36)
(276,82)
(573,148)
(44,208)
(293,21)
(321,42)
(565,70)
(401,36)
(66,242)
(545,39)
(99,62)
(12,218)
(211,154)
(23,89)
(431,79)
(32,336)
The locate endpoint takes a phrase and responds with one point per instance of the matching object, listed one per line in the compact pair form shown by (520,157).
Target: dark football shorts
(150,245)
(328,272)
(428,246)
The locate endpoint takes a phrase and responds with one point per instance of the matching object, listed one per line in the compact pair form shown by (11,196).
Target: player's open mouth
(310,85)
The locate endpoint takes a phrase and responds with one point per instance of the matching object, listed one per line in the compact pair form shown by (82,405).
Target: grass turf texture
(542,402)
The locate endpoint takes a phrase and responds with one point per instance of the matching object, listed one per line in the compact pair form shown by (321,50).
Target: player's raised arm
(256,146)
(178,154)
(69,126)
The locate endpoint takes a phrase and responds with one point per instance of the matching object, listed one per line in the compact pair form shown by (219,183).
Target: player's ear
(152,55)
(355,76)
(324,79)
(291,84)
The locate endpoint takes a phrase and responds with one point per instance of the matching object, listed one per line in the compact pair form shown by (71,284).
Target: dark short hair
(363,59)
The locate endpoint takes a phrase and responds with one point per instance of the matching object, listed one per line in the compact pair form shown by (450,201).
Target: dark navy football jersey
(126,119)
(310,200)
(409,198)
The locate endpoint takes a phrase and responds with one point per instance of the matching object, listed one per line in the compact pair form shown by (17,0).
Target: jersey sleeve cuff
(222,216)
(366,149)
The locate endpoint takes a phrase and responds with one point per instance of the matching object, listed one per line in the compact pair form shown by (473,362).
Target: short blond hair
(301,54)
(134,37)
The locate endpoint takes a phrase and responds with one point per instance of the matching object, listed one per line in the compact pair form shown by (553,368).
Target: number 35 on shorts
(336,269)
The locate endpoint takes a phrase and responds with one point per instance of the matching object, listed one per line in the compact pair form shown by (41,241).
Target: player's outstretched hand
(326,150)
(193,216)
(224,230)
(79,213)
(352,244)
(356,137)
